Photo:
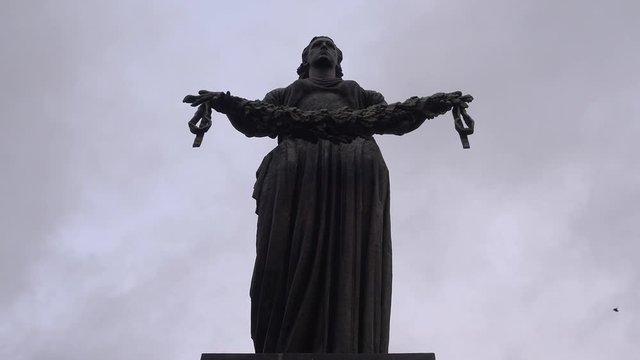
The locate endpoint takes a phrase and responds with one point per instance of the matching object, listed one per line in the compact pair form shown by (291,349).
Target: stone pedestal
(293,356)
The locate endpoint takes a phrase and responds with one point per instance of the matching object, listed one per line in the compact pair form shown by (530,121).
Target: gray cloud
(120,241)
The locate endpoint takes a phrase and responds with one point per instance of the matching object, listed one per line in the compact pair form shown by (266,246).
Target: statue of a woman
(322,276)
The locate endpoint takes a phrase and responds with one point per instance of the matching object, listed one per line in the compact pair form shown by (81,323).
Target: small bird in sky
(616,309)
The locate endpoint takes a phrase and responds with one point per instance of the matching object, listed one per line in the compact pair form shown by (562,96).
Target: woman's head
(303,69)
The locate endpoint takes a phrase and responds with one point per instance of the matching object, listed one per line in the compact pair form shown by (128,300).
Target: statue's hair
(303,69)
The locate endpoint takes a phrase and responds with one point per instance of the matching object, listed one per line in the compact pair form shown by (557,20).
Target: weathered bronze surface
(322,276)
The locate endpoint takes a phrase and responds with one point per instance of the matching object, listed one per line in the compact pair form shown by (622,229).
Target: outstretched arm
(402,117)
(262,118)
(257,123)
(259,118)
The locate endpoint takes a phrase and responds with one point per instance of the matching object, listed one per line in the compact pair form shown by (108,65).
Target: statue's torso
(322,99)
(308,94)
(322,279)
(335,94)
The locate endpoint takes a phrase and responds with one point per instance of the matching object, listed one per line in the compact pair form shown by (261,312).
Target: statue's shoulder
(370,97)
(351,83)
(297,83)
(373,97)
(278,96)
(275,96)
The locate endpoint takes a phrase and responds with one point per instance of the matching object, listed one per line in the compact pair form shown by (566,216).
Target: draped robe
(322,275)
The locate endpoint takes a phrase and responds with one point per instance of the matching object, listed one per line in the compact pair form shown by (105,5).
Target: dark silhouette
(322,276)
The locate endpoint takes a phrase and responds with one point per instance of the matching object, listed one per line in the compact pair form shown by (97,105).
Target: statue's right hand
(212,97)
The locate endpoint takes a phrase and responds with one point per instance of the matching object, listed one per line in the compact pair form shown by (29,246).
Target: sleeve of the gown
(255,118)
(269,117)
(378,117)
(372,98)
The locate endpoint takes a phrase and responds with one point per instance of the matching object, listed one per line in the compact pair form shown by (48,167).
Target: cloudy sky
(120,241)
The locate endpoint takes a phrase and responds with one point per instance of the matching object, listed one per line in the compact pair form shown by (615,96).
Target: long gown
(322,276)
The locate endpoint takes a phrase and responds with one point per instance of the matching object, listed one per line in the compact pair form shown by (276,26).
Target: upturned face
(322,52)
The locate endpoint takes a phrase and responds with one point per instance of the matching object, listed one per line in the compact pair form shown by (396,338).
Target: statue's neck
(322,73)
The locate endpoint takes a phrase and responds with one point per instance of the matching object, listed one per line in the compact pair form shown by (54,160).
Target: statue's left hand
(457,100)
(441,103)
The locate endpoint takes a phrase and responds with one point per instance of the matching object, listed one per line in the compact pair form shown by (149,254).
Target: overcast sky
(120,241)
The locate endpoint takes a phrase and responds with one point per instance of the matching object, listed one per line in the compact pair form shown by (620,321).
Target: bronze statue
(322,276)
